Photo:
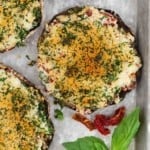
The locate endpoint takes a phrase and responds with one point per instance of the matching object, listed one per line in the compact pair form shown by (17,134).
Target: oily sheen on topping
(86,58)
(17,19)
(24,123)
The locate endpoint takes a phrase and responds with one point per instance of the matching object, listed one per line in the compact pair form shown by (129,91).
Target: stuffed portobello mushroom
(87,58)
(24,119)
(18,18)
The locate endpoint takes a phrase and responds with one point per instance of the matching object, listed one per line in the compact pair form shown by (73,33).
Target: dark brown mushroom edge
(87,58)
(18,20)
(24,117)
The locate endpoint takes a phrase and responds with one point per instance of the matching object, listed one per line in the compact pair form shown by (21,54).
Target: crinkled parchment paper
(69,129)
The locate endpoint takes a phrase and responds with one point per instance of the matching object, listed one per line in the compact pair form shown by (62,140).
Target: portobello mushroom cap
(87,58)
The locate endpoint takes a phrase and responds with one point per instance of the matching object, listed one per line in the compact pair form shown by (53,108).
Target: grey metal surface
(143,95)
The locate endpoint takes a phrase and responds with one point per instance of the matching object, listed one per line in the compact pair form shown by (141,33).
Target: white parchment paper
(68,129)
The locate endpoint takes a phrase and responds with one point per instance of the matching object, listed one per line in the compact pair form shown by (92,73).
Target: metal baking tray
(135,14)
(142,94)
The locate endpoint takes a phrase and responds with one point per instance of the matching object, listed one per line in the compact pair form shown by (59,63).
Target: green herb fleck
(32,63)
(41,109)
(23,5)
(27,56)
(18,127)
(43,77)
(20,43)
(58,114)
(22,33)
(2,79)
(1,35)
(75,10)
(37,13)
(68,38)
(60,103)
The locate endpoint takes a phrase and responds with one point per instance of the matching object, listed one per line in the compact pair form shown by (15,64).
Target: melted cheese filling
(23,121)
(86,59)
(17,18)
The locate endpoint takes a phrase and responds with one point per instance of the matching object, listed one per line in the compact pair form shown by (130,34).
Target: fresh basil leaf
(125,131)
(86,143)
(58,114)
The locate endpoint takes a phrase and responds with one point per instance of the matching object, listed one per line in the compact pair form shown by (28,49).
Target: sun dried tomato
(102,121)
(88,123)
(117,117)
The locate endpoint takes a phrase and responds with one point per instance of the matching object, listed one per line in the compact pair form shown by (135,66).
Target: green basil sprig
(86,143)
(125,131)
(121,137)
